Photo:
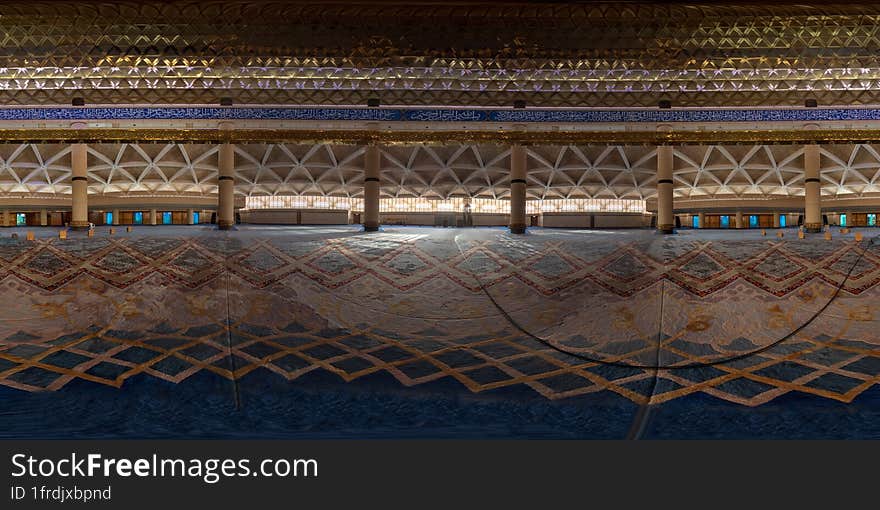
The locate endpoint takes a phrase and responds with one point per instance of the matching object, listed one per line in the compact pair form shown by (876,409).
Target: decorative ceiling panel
(449,53)
(479,171)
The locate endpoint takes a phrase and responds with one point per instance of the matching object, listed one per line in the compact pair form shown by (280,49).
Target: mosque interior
(424,219)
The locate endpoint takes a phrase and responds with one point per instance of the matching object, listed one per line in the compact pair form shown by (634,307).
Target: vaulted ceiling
(429,52)
(721,171)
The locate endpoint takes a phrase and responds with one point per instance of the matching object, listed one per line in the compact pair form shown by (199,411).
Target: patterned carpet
(578,318)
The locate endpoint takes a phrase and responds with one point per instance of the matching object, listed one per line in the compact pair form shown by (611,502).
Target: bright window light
(424,204)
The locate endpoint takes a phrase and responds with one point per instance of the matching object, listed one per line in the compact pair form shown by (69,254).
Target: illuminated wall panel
(426,205)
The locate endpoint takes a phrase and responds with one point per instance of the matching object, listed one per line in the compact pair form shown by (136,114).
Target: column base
(517,229)
(666,229)
(371,227)
(79,225)
(813,228)
(225,224)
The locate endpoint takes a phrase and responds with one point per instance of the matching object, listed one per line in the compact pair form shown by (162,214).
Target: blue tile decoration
(423,115)
(197,113)
(72,113)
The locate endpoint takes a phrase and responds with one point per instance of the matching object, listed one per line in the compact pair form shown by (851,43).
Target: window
(456,204)
(138,218)
(725,221)
(196,217)
(872,220)
(782,221)
(108,218)
(166,218)
(843,220)
(20,219)
(753,221)
(695,222)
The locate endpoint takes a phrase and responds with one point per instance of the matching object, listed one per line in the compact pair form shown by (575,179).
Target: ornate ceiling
(450,53)
(440,53)
(720,172)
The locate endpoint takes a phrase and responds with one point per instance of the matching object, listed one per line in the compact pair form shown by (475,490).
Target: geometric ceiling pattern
(456,53)
(478,171)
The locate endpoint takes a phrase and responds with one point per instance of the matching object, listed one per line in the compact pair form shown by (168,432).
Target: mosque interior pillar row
(812,190)
(517,189)
(665,216)
(372,160)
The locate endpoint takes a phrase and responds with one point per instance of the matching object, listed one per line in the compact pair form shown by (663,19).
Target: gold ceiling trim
(500,137)
(482,52)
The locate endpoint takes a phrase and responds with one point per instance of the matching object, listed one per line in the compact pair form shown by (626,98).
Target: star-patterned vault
(476,171)
(452,53)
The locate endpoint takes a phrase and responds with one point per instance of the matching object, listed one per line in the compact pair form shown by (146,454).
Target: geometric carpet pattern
(743,318)
(548,266)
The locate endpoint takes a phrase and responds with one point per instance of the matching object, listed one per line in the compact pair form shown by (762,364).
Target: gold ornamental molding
(618,53)
(391,137)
